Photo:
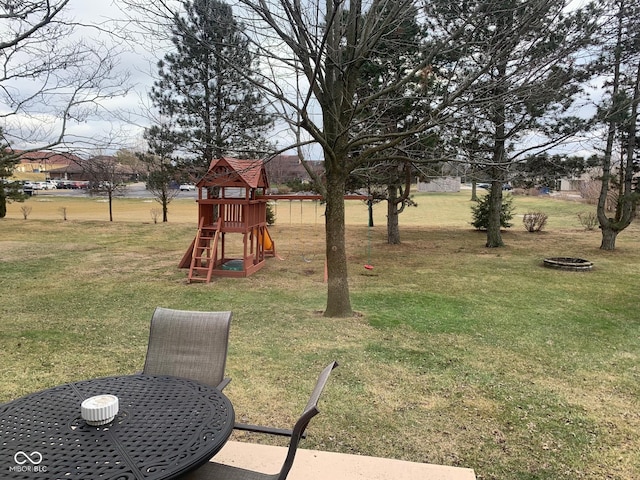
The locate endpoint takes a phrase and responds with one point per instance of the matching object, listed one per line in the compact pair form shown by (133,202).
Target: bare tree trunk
(338,300)
(165,207)
(609,236)
(3,201)
(606,223)
(393,224)
(494,236)
(110,194)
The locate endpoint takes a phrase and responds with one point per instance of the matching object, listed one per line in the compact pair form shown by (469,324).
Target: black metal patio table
(165,426)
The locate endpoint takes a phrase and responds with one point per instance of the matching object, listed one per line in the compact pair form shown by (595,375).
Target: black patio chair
(189,344)
(219,471)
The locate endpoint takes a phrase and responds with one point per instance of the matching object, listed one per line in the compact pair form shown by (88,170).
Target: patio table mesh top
(165,426)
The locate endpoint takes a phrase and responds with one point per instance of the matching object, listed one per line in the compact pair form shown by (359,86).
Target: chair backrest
(188,344)
(310,411)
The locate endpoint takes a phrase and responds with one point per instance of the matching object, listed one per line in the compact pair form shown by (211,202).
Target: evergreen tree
(387,174)
(619,64)
(215,108)
(480,212)
(545,170)
(9,191)
(523,99)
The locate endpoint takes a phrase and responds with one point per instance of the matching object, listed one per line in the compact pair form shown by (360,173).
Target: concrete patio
(319,465)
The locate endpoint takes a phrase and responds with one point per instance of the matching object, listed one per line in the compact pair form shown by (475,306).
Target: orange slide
(267,241)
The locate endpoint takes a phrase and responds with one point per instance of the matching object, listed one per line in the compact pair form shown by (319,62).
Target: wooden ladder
(203,256)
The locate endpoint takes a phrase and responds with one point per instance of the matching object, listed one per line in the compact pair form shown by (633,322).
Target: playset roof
(233,172)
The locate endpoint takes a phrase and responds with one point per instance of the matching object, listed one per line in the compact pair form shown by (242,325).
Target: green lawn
(458,354)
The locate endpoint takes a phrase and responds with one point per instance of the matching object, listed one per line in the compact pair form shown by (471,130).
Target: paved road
(132,190)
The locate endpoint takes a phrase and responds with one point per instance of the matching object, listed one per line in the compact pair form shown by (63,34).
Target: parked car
(487,186)
(43,185)
(186,187)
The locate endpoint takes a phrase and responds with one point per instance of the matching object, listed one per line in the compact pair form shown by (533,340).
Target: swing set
(316,199)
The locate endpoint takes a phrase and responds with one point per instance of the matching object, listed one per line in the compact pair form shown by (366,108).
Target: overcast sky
(129,112)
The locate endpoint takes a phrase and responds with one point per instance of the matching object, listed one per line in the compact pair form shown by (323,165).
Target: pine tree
(388,173)
(9,192)
(522,102)
(215,108)
(619,64)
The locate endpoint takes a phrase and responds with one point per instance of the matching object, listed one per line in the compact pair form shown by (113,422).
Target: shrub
(271,214)
(156,213)
(283,189)
(534,221)
(588,220)
(26,210)
(480,212)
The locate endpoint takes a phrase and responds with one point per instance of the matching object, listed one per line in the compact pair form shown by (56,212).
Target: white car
(43,186)
(187,187)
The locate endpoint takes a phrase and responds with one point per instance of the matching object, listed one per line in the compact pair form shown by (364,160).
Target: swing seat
(368,267)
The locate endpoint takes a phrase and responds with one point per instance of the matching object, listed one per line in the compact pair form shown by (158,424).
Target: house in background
(38,165)
(439,184)
(73,171)
(100,168)
(288,168)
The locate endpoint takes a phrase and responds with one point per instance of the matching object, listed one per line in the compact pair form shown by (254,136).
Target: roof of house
(71,168)
(233,172)
(50,157)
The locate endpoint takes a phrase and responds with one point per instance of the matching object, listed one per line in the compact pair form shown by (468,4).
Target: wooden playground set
(228,203)
(232,200)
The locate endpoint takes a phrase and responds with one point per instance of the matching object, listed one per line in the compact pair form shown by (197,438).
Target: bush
(588,220)
(534,221)
(271,214)
(480,212)
(26,210)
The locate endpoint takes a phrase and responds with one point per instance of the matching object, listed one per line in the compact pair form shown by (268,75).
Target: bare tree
(326,46)
(52,78)
(53,75)
(162,173)
(312,56)
(106,176)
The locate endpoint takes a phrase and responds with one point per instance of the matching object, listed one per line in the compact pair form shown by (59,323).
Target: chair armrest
(225,381)
(263,429)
